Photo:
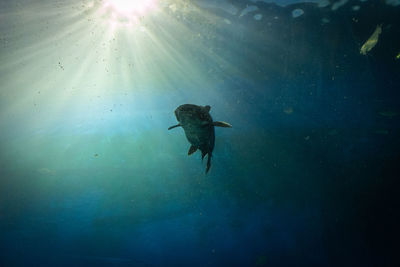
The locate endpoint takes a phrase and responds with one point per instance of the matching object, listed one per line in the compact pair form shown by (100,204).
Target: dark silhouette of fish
(198,125)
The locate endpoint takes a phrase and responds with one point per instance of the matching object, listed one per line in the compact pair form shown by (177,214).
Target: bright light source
(126,12)
(129,7)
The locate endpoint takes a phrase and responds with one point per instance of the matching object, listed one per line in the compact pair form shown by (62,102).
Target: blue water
(307,175)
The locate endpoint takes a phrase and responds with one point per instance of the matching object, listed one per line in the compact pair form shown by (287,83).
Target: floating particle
(288,110)
(257,16)
(339,4)
(248,9)
(393,2)
(297,12)
(355,8)
(46,171)
(173,7)
(323,3)
(325,20)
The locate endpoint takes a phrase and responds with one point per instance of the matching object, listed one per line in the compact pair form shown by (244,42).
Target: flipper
(222,124)
(203,154)
(208,162)
(192,149)
(172,127)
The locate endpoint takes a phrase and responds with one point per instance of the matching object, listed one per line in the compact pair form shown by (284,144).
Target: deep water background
(307,176)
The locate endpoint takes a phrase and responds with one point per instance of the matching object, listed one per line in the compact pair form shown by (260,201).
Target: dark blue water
(307,176)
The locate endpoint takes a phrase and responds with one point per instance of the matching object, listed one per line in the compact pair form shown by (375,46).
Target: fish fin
(203,154)
(222,124)
(208,162)
(172,127)
(207,108)
(192,149)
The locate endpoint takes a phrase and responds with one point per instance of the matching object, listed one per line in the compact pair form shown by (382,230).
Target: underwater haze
(307,175)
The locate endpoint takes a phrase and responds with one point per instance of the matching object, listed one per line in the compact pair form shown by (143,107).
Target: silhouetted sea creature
(198,125)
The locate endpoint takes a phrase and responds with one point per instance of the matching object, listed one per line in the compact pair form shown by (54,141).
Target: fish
(372,40)
(198,126)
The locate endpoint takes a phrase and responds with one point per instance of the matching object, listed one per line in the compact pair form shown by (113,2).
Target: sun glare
(130,7)
(126,12)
